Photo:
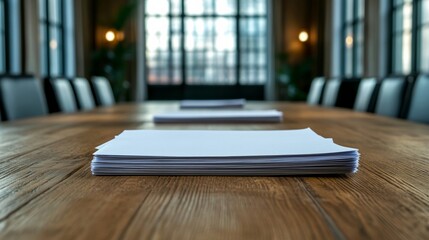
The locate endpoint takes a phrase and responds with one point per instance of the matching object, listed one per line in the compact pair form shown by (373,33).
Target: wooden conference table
(47,190)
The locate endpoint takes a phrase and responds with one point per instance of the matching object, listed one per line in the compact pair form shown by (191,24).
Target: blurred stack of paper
(225,103)
(162,152)
(219,116)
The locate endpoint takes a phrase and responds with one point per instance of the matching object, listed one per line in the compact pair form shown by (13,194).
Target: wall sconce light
(303,36)
(110,36)
(349,41)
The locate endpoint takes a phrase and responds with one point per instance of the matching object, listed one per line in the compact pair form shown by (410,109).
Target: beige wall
(328,57)
(84,36)
(31,37)
(372,34)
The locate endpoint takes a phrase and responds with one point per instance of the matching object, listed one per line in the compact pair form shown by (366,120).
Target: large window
(353,41)
(410,33)
(206,42)
(10,36)
(402,13)
(57,46)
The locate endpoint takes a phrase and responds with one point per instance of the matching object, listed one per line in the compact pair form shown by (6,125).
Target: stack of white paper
(162,152)
(219,116)
(225,103)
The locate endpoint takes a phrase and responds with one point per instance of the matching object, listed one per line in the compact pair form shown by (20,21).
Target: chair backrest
(102,91)
(390,97)
(330,93)
(59,93)
(22,97)
(365,94)
(419,106)
(316,89)
(83,93)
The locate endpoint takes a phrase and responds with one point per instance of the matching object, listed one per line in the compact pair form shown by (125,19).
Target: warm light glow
(53,44)
(120,36)
(349,41)
(303,36)
(110,36)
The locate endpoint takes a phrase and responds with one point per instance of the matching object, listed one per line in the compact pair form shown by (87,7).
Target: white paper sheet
(178,152)
(225,103)
(219,116)
(164,143)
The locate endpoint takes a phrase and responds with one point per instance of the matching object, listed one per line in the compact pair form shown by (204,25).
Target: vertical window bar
(182,40)
(238,45)
(195,64)
(62,41)
(256,50)
(355,20)
(170,47)
(3,36)
(414,38)
(343,38)
(14,33)
(48,39)
(6,39)
(213,44)
(390,54)
(206,36)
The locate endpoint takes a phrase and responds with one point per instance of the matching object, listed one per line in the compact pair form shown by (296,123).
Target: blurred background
(208,49)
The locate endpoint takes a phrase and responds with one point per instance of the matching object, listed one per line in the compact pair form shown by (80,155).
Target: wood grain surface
(47,190)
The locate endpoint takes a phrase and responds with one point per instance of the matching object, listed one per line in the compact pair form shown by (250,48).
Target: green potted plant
(112,60)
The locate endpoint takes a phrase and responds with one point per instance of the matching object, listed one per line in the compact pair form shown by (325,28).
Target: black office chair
(102,91)
(21,97)
(331,92)
(365,95)
(390,97)
(60,96)
(83,93)
(419,106)
(340,92)
(316,89)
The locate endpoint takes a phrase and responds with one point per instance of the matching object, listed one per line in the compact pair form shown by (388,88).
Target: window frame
(237,18)
(4,40)
(416,46)
(46,22)
(11,37)
(420,25)
(354,23)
